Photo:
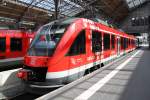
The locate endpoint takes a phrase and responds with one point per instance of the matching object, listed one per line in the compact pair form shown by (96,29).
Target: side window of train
(127,43)
(133,42)
(113,41)
(106,41)
(78,46)
(2,44)
(96,41)
(16,44)
(122,42)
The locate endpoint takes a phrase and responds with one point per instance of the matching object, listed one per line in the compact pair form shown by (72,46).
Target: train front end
(40,52)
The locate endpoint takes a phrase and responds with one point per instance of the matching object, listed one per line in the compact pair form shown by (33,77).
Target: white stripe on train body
(66,73)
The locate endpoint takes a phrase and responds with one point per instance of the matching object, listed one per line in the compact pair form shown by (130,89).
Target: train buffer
(127,78)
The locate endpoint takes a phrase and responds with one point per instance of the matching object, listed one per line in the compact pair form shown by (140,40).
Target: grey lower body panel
(57,82)
(10,63)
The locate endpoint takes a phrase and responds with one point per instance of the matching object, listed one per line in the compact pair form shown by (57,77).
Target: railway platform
(126,78)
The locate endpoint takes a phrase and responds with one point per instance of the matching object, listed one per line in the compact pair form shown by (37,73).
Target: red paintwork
(60,62)
(15,34)
(21,74)
(40,61)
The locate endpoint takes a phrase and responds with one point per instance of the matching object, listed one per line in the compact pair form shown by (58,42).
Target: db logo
(33,61)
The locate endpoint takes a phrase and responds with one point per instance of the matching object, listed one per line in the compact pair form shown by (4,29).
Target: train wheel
(87,71)
(98,66)
(92,69)
(102,64)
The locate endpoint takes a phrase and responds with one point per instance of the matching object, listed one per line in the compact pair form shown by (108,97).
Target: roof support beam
(26,9)
(56,8)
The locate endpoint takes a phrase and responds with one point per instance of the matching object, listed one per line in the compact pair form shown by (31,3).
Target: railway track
(6,68)
(26,96)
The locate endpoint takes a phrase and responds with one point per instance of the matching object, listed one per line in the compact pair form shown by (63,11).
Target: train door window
(106,41)
(96,41)
(122,40)
(113,41)
(133,42)
(78,46)
(2,44)
(126,43)
(129,42)
(16,44)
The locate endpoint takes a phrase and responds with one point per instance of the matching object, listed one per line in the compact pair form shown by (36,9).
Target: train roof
(63,21)
(95,20)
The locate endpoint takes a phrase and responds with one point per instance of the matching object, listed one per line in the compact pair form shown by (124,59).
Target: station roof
(42,11)
(66,7)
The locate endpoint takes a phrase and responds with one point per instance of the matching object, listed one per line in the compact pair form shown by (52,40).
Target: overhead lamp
(49,14)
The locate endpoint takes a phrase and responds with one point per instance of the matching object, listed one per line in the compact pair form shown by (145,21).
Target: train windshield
(46,39)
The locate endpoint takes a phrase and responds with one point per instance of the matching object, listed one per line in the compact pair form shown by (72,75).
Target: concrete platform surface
(10,85)
(127,79)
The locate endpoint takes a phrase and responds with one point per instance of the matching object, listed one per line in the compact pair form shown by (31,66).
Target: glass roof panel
(66,7)
(137,2)
(134,3)
(131,5)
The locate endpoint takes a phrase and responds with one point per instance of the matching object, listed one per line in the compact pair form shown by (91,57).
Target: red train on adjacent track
(13,47)
(65,50)
(14,43)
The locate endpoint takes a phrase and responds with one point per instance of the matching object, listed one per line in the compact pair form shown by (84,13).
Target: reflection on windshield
(46,40)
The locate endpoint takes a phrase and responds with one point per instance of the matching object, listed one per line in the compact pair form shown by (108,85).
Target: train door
(2,47)
(96,49)
(77,55)
(118,46)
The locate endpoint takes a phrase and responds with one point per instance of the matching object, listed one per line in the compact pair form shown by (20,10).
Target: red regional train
(13,47)
(14,43)
(65,50)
